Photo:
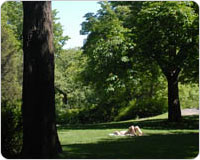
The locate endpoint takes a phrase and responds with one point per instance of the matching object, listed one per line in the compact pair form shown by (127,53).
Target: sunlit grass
(161,139)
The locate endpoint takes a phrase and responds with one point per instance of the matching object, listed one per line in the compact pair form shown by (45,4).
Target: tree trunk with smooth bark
(40,138)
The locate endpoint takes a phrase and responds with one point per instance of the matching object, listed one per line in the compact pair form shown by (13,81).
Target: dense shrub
(123,110)
(142,108)
(68,116)
(11,130)
(93,114)
(106,112)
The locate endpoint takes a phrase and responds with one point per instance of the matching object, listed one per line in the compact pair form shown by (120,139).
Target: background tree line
(122,71)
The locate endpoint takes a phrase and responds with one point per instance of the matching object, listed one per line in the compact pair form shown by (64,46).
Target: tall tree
(40,139)
(134,36)
(107,47)
(167,32)
(114,70)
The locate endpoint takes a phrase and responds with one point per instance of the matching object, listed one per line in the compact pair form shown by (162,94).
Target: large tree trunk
(174,111)
(40,139)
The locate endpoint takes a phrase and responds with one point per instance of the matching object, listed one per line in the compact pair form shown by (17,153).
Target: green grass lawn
(161,139)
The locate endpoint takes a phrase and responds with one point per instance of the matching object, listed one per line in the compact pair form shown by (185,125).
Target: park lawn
(161,140)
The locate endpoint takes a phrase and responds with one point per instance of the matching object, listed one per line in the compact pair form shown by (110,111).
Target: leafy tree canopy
(168,32)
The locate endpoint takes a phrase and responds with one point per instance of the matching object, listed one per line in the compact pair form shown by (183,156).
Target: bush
(68,116)
(109,112)
(142,108)
(11,127)
(93,114)
(189,95)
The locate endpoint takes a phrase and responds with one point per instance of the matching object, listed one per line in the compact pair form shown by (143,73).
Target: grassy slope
(161,139)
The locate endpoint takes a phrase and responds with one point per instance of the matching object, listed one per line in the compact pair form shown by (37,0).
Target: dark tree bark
(171,72)
(174,110)
(40,139)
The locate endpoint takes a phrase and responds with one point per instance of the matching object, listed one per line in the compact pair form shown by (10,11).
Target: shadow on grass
(145,147)
(187,122)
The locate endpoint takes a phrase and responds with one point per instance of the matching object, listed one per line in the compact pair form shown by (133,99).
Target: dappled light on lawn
(167,141)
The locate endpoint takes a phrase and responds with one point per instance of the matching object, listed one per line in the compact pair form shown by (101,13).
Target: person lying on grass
(132,130)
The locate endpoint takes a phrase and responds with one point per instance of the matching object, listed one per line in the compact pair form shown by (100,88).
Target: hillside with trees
(140,59)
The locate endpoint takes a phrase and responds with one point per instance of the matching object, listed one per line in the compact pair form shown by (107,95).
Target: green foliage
(68,66)
(168,32)
(11,60)
(142,108)
(11,80)
(116,75)
(107,49)
(189,95)
(108,58)
(130,45)
(11,126)
(89,115)
(68,116)
(59,39)
(14,13)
